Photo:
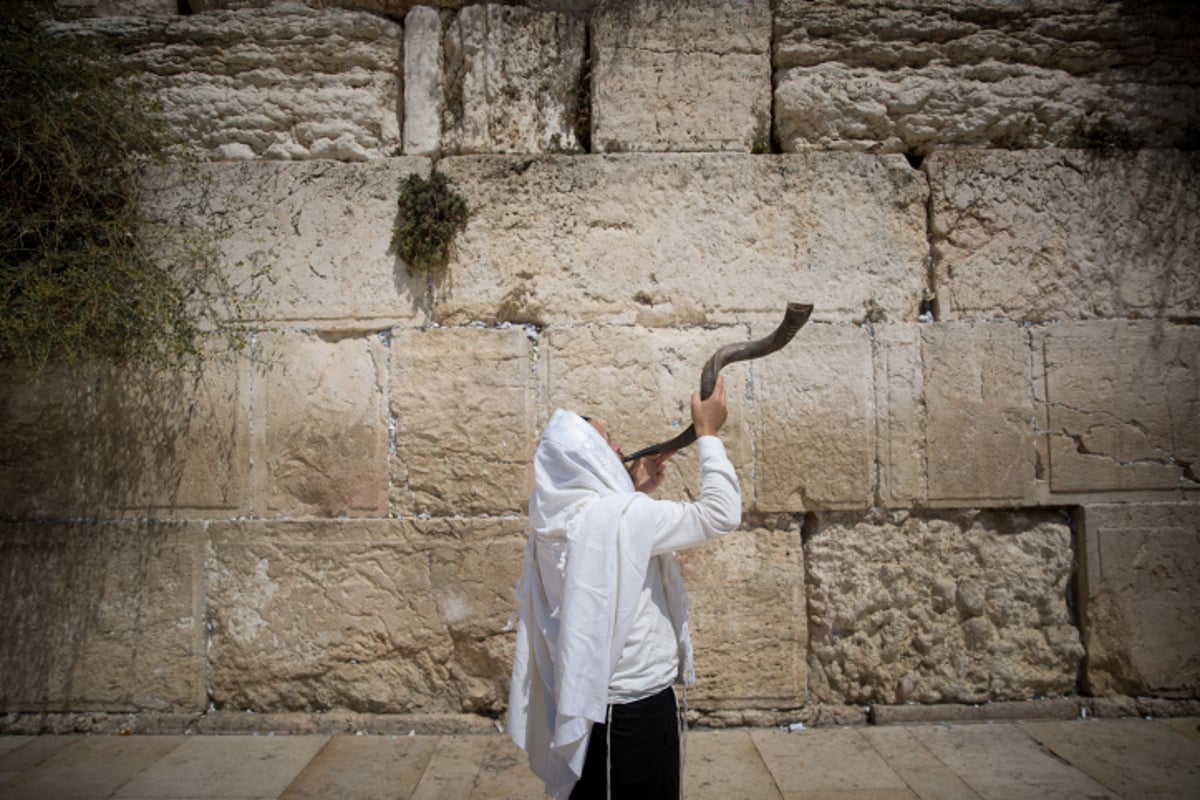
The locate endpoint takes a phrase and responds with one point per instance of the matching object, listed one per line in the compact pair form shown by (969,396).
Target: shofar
(793,320)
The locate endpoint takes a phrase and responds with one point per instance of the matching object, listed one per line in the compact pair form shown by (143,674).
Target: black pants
(645,752)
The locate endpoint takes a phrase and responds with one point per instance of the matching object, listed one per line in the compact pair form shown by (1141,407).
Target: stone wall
(970,479)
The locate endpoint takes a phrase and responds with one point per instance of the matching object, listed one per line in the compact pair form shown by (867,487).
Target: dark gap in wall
(1076,589)
(915,160)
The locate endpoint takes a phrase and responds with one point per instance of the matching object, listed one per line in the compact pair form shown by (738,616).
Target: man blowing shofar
(603,631)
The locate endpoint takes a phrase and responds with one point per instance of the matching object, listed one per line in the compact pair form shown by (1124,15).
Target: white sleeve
(717,512)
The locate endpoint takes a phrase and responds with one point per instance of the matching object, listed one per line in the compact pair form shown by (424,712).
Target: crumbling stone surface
(916,76)
(681,75)
(1140,607)
(287,83)
(961,608)
(677,239)
(379,616)
(1065,234)
(102,617)
(512,81)
(1120,407)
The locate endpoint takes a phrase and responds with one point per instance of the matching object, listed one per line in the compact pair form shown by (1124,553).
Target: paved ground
(1080,759)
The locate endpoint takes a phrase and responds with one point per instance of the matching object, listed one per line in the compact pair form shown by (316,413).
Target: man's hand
(648,472)
(709,415)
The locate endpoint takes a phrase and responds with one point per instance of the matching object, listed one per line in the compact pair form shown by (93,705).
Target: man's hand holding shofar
(707,416)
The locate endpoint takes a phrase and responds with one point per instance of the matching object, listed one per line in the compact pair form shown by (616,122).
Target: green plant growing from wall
(1106,137)
(432,213)
(84,274)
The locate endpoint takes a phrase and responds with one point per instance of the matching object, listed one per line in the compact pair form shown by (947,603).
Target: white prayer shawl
(589,549)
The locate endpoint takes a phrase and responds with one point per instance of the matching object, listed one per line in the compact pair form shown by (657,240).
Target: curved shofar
(793,320)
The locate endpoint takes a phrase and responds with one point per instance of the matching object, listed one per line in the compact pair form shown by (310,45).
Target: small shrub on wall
(431,215)
(83,274)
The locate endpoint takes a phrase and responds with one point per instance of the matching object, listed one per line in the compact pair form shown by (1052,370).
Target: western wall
(970,484)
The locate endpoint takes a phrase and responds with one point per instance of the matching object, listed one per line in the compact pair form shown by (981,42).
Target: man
(603,633)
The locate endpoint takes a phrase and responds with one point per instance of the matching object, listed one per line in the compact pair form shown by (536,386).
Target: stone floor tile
(1188,726)
(9,743)
(505,774)
(212,767)
(1002,762)
(364,768)
(89,768)
(812,765)
(452,770)
(916,765)
(725,765)
(1133,758)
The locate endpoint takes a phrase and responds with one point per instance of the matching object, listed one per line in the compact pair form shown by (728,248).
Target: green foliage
(83,274)
(1107,137)
(431,214)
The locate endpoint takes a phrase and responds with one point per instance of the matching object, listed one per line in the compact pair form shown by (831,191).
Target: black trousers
(645,752)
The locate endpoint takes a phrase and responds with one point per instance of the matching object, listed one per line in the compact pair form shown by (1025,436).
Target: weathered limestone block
(392,8)
(423,81)
(916,75)
(965,608)
(98,441)
(748,618)
(319,231)
(685,239)
(379,616)
(1141,612)
(900,422)
(979,434)
(681,75)
(282,83)
(1121,406)
(463,401)
(1065,234)
(102,617)
(638,383)
(511,81)
(814,426)
(320,425)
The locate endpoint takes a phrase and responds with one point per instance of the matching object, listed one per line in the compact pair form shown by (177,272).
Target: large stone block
(320,425)
(463,401)
(681,75)
(511,81)
(919,75)
(319,232)
(748,618)
(965,608)
(814,421)
(979,426)
(638,383)
(282,83)
(379,616)
(900,420)
(1059,235)
(1141,612)
(685,239)
(102,617)
(101,441)
(1121,409)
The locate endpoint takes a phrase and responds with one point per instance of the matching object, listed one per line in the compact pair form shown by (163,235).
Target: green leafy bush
(431,215)
(83,274)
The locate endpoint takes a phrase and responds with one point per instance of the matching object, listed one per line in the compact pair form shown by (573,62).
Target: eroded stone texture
(281,83)
(321,437)
(681,75)
(102,617)
(814,426)
(380,616)
(638,383)
(1065,234)
(512,81)
(319,232)
(900,415)
(685,239)
(1141,610)
(979,408)
(914,75)
(1122,406)
(748,618)
(965,608)
(423,81)
(463,402)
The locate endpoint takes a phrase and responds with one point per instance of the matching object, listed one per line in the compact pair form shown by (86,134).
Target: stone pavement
(1127,759)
